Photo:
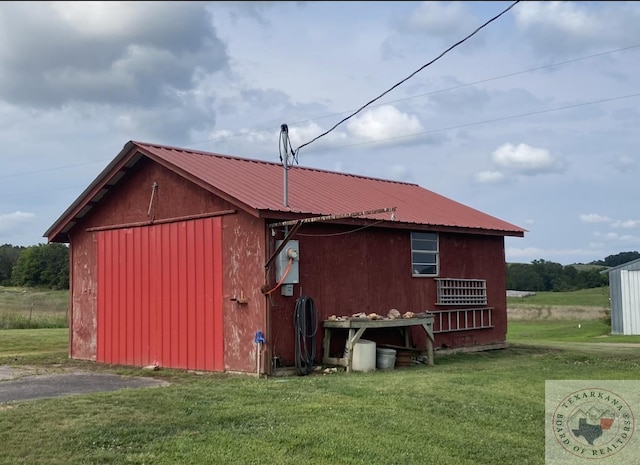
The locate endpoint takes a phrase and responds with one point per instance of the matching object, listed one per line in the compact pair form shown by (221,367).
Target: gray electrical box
(286,290)
(287,262)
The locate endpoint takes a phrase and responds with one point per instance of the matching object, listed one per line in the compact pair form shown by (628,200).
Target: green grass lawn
(539,332)
(596,297)
(27,346)
(468,409)
(25,307)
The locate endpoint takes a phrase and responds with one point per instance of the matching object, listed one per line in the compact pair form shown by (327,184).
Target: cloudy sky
(535,119)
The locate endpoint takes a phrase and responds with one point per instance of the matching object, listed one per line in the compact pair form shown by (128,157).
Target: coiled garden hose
(306,327)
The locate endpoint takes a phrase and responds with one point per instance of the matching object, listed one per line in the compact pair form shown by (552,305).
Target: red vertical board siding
(207,278)
(190,314)
(164,256)
(115,271)
(217,330)
(111,317)
(136,316)
(174,298)
(201,297)
(181,335)
(151,237)
(130,307)
(101,344)
(160,295)
(145,354)
(122,301)
(185,277)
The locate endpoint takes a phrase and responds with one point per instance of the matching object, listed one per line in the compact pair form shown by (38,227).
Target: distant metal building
(624,289)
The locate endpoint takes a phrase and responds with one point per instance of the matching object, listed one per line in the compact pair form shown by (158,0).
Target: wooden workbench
(357,326)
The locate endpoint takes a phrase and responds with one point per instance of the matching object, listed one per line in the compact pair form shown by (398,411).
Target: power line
(411,97)
(503,118)
(42,190)
(502,76)
(51,169)
(407,78)
(431,131)
(438,91)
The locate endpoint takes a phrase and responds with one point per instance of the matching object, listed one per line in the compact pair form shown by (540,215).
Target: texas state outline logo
(593,423)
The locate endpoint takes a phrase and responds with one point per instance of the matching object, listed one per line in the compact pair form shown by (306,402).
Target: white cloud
(626,164)
(564,16)
(606,236)
(594,218)
(400,173)
(244,141)
(77,80)
(489,177)
(99,19)
(613,236)
(526,160)
(383,122)
(557,28)
(534,253)
(338,167)
(220,134)
(9,221)
(626,224)
(106,53)
(442,20)
(302,134)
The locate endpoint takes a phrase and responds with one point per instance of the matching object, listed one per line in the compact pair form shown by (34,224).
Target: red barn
(195,260)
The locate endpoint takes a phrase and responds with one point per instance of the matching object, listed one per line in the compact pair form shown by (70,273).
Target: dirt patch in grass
(546,312)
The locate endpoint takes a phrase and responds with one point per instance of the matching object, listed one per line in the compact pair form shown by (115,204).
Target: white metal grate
(462,319)
(454,291)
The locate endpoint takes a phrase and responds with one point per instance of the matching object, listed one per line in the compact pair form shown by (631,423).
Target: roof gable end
(257,186)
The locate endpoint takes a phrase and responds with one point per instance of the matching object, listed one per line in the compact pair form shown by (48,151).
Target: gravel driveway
(21,384)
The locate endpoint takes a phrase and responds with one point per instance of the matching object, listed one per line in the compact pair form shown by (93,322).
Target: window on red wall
(424,253)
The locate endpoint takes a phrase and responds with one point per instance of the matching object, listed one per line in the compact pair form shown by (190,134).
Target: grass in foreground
(468,409)
(34,346)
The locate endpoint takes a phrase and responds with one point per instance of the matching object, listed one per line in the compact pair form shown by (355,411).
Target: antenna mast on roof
(285,145)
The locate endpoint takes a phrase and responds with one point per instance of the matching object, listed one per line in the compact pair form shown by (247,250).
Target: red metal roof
(259,185)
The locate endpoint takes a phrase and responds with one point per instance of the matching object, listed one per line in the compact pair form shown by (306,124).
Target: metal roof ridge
(266,162)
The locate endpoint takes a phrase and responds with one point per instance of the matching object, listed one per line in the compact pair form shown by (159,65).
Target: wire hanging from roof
(285,145)
(295,152)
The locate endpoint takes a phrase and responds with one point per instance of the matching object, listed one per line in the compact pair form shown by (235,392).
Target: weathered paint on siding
(83,288)
(367,271)
(244,259)
(242,235)
(370,271)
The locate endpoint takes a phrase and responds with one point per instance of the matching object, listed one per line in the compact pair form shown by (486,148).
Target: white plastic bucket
(364,356)
(385,359)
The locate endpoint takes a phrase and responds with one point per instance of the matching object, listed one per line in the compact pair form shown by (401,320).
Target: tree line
(542,275)
(47,265)
(42,265)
